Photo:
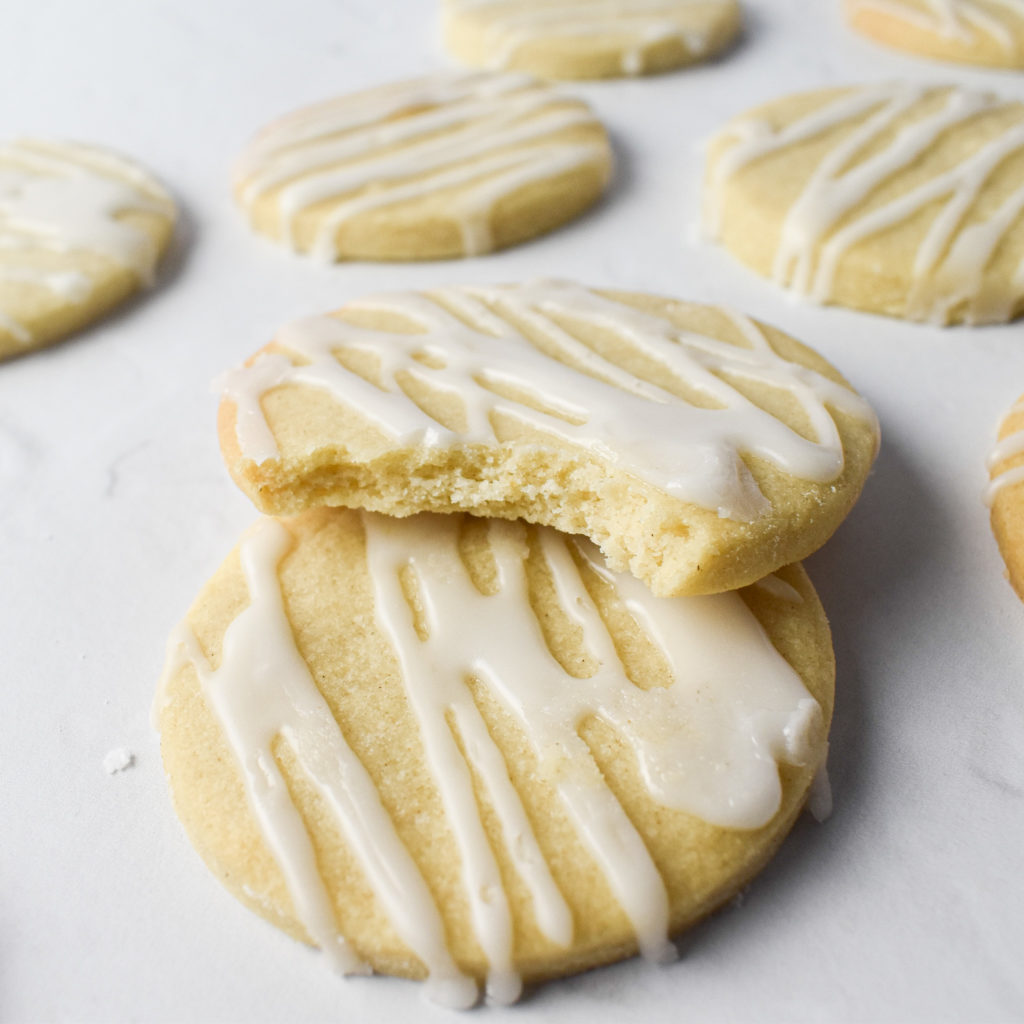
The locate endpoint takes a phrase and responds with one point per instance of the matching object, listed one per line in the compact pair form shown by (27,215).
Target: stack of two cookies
(461,715)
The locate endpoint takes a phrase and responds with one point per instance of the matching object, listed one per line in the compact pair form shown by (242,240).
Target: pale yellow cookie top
(988,32)
(896,198)
(454,164)
(80,229)
(465,750)
(588,38)
(699,449)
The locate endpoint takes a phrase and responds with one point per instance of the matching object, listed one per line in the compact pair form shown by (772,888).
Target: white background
(114,508)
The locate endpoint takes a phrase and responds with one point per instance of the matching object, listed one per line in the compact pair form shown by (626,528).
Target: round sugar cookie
(588,38)
(987,32)
(81,229)
(902,199)
(455,164)
(699,449)
(465,750)
(1006,494)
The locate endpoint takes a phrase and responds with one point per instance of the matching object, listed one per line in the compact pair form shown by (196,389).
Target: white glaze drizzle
(513,25)
(1010,446)
(693,453)
(779,588)
(955,19)
(819,797)
(826,220)
(488,135)
(263,689)
(708,744)
(66,198)
(19,332)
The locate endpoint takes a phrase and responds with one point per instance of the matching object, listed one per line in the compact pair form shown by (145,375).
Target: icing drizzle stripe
(510,26)
(709,743)
(1005,449)
(487,135)
(60,197)
(829,216)
(474,346)
(961,20)
(262,689)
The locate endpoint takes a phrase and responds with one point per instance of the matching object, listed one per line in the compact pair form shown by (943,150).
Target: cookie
(901,199)
(1006,494)
(699,449)
(987,32)
(465,750)
(81,229)
(588,38)
(445,166)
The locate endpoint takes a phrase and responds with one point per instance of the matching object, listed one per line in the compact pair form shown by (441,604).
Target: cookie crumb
(118,760)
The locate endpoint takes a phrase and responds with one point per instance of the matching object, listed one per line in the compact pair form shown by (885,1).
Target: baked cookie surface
(588,38)
(81,229)
(987,32)
(900,199)
(463,749)
(700,450)
(1006,494)
(456,164)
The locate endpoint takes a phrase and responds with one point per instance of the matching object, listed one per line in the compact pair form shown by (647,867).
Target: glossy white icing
(835,210)
(779,588)
(955,19)
(486,135)
(819,799)
(60,197)
(708,744)
(262,689)
(19,332)
(513,24)
(471,341)
(1007,448)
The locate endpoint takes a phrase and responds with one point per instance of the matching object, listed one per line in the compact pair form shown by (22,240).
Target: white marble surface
(906,906)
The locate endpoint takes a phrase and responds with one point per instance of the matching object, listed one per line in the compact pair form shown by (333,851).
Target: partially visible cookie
(80,230)
(1006,494)
(445,166)
(699,449)
(988,32)
(588,38)
(899,198)
(463,749)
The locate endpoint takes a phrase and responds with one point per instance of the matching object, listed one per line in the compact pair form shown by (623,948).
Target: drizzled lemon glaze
(833,211)
(708,744)
(513,24)
(485,135)
(963,20)
(467,342)
(1008,447)
(60,197)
